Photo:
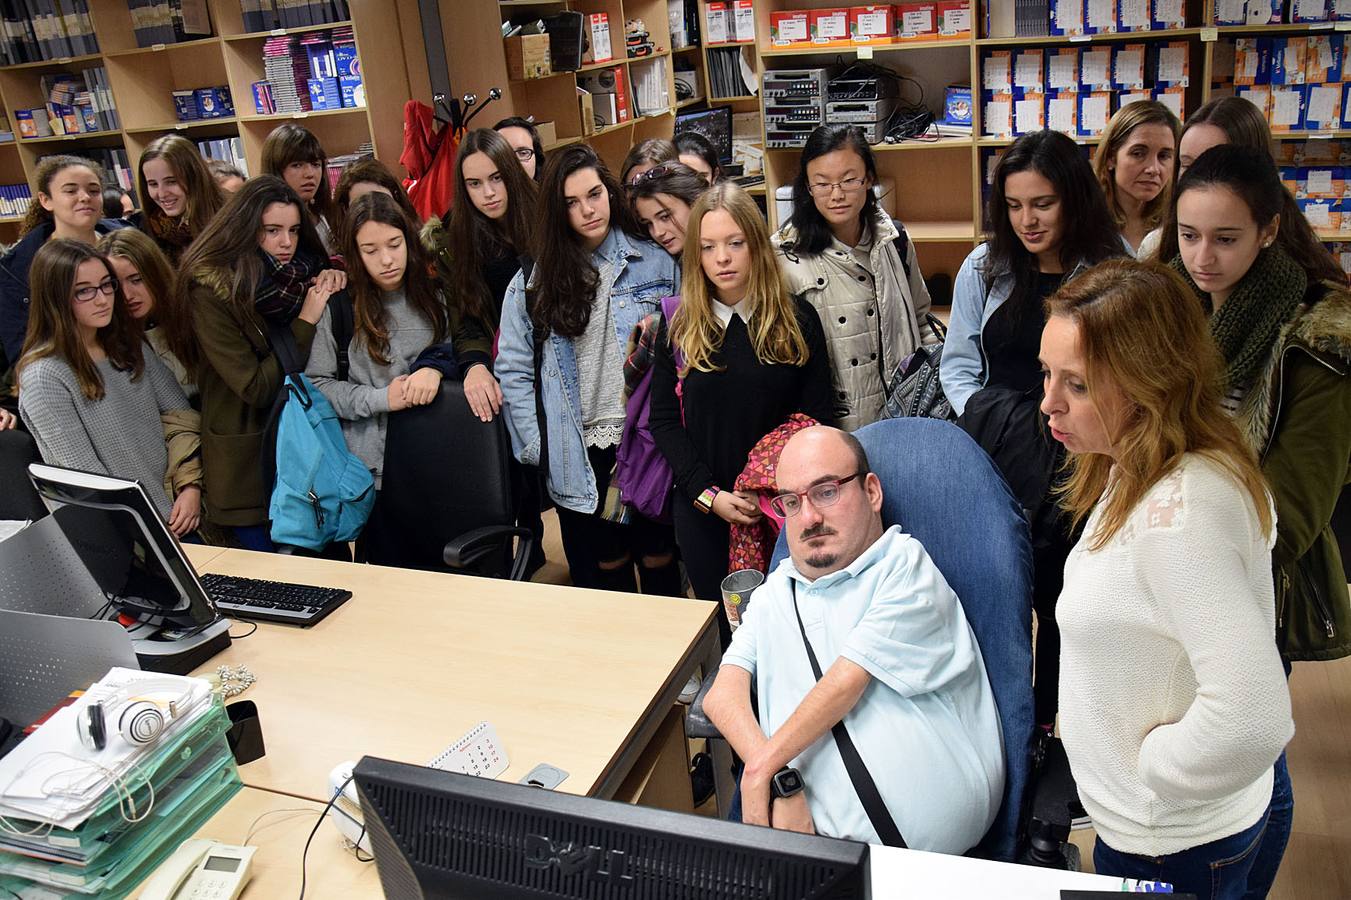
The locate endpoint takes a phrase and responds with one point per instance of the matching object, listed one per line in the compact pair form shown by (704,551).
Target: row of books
(115,162)
(229,150)
(33,30)
(76,104)
(168,21)
(265,15)
(315,71)
(1080,114)
(15,199)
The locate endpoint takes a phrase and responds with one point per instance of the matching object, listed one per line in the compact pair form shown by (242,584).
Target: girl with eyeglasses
(662,198)
(90,396)
(1047,223)
(179,195)
(68,204)
(738,357)
(561,356)
(856,266)
(524,139)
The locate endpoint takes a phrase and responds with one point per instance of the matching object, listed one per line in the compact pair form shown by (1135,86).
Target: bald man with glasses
(859,629)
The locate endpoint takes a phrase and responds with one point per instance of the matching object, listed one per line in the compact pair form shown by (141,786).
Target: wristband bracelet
(704,502)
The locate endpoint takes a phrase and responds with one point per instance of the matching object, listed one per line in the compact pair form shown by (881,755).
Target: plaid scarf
(281,291)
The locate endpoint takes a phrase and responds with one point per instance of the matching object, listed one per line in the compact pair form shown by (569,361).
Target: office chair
(973,529)
(447,502)
(19,500)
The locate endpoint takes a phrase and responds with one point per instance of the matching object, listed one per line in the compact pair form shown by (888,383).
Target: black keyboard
(273,601)
(748,180)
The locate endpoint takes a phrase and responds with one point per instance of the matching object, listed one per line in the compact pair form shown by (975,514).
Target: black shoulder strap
(864,786)
(902,247)
(344,326)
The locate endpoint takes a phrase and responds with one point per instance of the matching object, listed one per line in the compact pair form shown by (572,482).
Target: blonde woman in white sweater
(1173,702)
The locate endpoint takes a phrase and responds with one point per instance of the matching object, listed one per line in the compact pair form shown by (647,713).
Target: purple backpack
(641,472)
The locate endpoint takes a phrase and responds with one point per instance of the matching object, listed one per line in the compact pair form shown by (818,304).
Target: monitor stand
(159,648)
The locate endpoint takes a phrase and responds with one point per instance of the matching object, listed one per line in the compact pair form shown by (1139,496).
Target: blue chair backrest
(943,489)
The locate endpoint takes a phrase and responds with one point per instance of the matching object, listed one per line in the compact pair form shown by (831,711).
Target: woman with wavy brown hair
(178,192)
(1174,706)
(90,396)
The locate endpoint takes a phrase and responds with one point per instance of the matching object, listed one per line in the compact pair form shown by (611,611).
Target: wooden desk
(332,871)
(582,680)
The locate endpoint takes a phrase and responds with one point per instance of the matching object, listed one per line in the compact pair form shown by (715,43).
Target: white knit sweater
(1173,703)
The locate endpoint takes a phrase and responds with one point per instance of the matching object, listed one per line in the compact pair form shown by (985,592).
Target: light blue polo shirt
(926,725)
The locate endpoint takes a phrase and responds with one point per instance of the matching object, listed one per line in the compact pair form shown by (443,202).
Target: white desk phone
(201,870)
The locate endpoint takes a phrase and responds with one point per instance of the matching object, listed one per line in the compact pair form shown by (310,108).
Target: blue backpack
(322,493)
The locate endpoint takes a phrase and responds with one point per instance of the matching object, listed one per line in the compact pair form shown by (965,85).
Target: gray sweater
(120,435)
(362,401)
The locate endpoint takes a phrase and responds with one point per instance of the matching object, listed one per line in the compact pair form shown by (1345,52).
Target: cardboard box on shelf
(602,49)
(528,57)
(830,27)
(790,28)
(872,24)
(917,21)
(954,18)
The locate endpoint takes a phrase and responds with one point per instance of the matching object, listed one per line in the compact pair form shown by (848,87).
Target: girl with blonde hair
(1174,706)
(735,360)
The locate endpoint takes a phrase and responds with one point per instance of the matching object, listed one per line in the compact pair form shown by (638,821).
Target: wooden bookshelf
(141,80)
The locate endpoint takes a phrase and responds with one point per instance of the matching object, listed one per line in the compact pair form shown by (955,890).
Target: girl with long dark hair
(857,267)
(1047,222)
(294,154)
(591,283)
(91,398)
(258,267)
(179,195)
(662,198)
(146,278)
(1281,315)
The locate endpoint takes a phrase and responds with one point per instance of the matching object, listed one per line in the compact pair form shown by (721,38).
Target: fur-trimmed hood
(1320,329)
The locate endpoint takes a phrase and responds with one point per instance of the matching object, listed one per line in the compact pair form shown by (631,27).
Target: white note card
(1063,75)
(1168,13)
(1285,107)
(1028,113)
(1319,214)
(1319,181)
(1093,114)
(1323,104)
(1069,16)
(995,75)
(1232,12)
(1173,65)
(1027,72)
(1097,67)
(1102,15)
(1060,114)
(1130,68)
(1135,14)
(477,753)
(999,118)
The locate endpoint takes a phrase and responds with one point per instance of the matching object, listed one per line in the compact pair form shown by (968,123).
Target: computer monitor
(442,834)
(119,535)
(714,124)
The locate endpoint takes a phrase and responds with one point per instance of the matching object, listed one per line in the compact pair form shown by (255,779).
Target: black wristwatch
(786,782)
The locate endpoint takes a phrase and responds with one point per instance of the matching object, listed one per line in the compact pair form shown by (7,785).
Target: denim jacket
(644,273)
(962,369)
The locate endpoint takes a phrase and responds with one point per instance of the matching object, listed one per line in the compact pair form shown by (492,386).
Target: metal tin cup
(736,592)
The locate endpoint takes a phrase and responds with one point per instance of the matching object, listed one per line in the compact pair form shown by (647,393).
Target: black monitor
(440,834)
(119,535)
(714,124)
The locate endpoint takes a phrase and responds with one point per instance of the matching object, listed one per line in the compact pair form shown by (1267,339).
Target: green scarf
(1249,322)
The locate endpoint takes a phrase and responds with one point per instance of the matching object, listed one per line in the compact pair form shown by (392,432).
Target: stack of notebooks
(14,199)
(79,843)
(265,15)
(76,104)
(229,150)
(168,21)
(287,70)
(35,30)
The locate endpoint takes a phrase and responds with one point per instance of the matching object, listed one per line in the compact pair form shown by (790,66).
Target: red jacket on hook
(429,156)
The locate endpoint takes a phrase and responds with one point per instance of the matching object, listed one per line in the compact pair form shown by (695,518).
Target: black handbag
(864,786)
(914,388)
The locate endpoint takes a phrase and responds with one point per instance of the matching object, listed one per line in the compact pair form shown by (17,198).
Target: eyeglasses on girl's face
(107,287)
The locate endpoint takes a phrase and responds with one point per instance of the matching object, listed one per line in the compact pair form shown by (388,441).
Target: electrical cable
(304,855)
(240,637)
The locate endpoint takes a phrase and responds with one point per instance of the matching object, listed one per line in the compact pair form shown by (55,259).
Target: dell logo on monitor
(571,859)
